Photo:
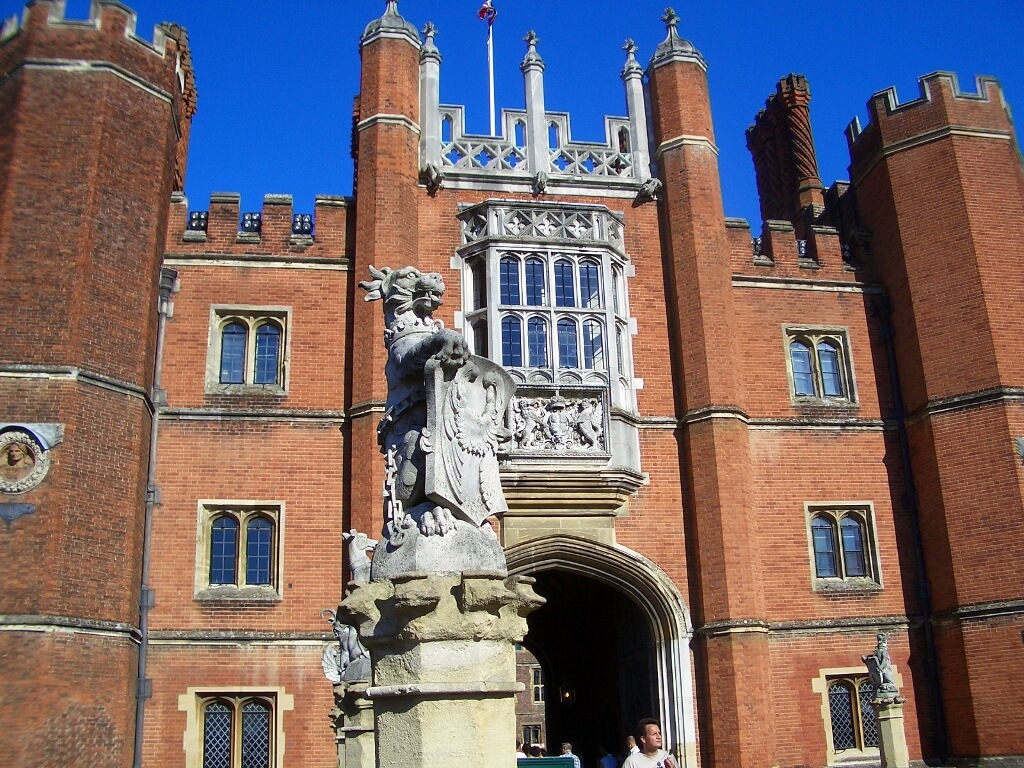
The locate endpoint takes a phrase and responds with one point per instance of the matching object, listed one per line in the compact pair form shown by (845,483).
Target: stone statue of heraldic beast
(441,432)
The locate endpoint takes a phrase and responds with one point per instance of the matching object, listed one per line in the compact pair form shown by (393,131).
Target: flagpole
(490,70)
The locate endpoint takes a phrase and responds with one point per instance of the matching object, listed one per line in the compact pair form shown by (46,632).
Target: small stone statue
(348,660)
(880,669)
(649,190)
(358,545)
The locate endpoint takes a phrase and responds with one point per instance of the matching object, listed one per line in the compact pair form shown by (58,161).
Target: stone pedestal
(353,724)
(892,739)
(443,653)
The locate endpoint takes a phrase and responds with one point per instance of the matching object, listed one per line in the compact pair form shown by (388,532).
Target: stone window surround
(208,510)
(819,685)
(191,703)
(252,316)
(836,510)
(840,337)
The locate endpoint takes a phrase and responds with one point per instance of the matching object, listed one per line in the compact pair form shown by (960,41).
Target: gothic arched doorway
(613,640)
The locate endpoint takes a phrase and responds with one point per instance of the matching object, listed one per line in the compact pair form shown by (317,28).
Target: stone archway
(654,596)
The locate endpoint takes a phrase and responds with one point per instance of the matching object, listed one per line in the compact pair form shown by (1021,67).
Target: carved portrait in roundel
(23,462)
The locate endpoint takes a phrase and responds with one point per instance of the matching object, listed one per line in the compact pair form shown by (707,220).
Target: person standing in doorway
(651,754)
(567,752)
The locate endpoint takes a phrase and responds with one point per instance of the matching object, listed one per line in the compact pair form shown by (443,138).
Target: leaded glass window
(565,291)
(509,277)
(238,732)
(268,352)
(593,345)
(840,706)
(537,340)
(535,283)
(868,716)
(853,546)
(824,548)
(819,366)
(590,285)
(568,353)
(223,550)
(259,540)
(232,354)
(511,342)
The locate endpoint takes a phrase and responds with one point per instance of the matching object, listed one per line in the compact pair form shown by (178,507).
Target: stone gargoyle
(442,429)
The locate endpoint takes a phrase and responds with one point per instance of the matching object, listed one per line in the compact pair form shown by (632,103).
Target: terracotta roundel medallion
(23,462)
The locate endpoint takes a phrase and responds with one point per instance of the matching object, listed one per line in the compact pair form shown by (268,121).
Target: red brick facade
(912,270)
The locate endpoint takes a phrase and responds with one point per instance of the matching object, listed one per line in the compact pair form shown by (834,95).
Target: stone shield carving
(23,462)
(465,430)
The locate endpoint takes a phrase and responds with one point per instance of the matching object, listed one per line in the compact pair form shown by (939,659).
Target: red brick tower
(938,182)
(387,141)
(728,609)
(93,119)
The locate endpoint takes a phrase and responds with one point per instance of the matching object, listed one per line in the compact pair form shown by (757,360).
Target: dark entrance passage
(597,655)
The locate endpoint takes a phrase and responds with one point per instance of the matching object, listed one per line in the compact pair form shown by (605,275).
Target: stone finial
(391,24)
(429,49)
(675,48)
(532,58)
(632,67)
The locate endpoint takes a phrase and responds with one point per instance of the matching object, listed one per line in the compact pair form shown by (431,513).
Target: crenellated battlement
(941,105)
(110,17)
(275,229)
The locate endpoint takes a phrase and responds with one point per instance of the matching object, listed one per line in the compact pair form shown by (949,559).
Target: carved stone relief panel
(545,420)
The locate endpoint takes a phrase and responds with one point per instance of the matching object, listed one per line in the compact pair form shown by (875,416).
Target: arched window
(479,284)
(511,342)
(238,733)
(480,338)
(840,705)
(232,353)
(623,139)
(803,374)
(843,547)
(259,537)
(255,735)
(537,342)
(217,731)
(568,353)
(824,538)
(223,550)
(535,283)
(268,354)
(831,372)
(590,285)
(565,292)
(853,546)
(593,345)
(820,365)
(508,269)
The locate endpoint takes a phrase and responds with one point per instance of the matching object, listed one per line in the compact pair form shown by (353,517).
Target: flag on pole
(487,12)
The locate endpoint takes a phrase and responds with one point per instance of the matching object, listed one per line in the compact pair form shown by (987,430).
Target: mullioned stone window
(239,550)
(843,547)
(234,727)
(248,350)
(819,366)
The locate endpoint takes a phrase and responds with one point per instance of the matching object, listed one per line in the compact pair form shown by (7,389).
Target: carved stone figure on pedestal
(442,429)
(880,669)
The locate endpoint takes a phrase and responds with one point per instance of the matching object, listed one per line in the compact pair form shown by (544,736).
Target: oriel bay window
(563,331)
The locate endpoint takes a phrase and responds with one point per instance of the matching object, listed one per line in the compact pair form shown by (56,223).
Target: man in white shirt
(651,755)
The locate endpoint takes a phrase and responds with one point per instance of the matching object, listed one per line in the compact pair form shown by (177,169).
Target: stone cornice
(252,414)
(956,403)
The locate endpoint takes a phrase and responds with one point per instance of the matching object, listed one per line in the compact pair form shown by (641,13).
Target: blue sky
(276,79)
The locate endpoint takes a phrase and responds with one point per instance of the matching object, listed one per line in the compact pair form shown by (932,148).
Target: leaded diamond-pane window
(238,732)
(255,735)
(840,706)
(217,736)
(868,716)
